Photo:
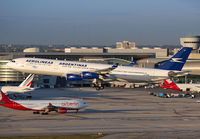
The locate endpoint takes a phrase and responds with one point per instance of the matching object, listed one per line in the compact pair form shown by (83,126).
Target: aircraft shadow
(114,111)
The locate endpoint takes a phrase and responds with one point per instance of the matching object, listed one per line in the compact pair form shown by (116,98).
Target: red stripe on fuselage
(5,102)
(16,106)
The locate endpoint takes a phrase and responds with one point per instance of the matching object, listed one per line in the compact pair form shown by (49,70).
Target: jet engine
(89,75)
(73,77)
(61,110)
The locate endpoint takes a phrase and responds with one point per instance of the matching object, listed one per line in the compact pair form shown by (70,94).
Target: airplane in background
(170,84)
(44,106)
(25,86)
(100,73)
(132,63)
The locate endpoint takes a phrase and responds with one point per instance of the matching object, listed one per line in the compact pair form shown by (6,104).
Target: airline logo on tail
(27,82)
(169,84)
(3,98)
(179,60)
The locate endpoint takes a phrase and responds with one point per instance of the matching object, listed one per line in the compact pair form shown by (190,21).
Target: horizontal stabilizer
(177,74)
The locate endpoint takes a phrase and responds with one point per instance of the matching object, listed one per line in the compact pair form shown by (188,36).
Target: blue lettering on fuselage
(39,61)
(72,64)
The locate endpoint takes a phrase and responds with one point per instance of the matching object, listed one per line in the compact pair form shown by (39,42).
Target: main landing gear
(43,113)
(99,88)
(98,84)
(36,112)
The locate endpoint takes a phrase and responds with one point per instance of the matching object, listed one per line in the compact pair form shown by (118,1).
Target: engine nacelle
(73,77)
(89,75)
(61,110)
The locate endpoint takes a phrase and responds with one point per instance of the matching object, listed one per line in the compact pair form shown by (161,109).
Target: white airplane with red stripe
(25,86)
(44,106)
(170,84)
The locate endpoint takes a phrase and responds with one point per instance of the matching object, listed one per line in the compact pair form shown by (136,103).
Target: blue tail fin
(177,61)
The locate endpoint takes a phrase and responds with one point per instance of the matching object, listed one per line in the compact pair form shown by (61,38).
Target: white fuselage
(62,68)
(15,89)
(189,87)
(42,104)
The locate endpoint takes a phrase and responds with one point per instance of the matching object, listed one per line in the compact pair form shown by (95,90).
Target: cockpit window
(13,61)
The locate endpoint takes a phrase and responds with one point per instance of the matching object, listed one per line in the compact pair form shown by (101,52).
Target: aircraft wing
(107,70)
(50,108)
(58,109)
(102,71)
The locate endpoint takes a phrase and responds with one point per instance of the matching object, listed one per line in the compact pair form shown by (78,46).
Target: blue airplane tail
(177,61)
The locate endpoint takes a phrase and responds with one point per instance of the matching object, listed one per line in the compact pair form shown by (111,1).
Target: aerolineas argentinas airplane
(74,70)
(44,106)
(25,86)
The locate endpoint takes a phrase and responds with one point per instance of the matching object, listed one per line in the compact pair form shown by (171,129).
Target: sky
(98,22)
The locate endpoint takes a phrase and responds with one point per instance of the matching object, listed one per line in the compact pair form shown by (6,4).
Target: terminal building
(191,41)
(125,44)
(8,75)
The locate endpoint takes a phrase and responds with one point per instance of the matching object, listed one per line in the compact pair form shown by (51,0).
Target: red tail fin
(169,84)
(6,102)
(3,97)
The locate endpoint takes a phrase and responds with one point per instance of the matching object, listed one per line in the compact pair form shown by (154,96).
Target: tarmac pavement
(118,112)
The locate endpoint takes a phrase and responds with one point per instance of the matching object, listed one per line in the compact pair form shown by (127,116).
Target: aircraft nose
(85,105)
(9,64)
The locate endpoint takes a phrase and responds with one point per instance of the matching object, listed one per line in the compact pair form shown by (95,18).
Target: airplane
(170,84)
(25,86)
(99,73)
(132,63)
(44,106)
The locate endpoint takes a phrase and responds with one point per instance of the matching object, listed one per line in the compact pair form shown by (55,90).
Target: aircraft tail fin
(3,98)
(169,84)
(178,60)
(27,82)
